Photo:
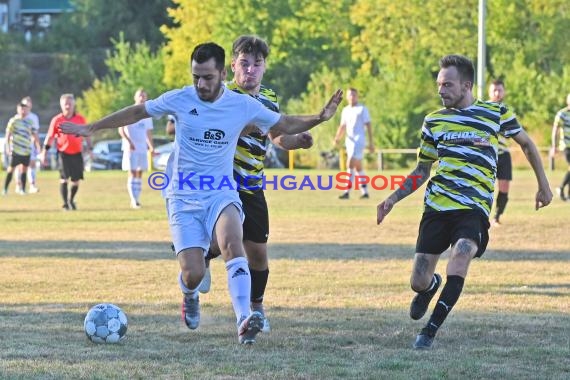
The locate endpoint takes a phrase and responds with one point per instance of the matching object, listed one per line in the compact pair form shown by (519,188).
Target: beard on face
(208,95)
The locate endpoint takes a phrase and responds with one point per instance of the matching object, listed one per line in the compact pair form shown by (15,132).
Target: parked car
(107,155)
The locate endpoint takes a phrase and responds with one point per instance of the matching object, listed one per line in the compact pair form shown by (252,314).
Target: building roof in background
(45,6)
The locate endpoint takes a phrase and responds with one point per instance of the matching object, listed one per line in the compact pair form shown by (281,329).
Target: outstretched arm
(292,125)
(303,140)
(415,179)
(126,116)
(543,195)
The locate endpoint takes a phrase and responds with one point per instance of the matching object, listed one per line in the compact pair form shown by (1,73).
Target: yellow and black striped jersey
(562,120)
(251,149)
(465,144)
(21,130)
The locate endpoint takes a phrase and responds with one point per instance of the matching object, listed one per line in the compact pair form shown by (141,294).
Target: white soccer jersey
(137,132)
(355,118)
(206,138)
(35,121)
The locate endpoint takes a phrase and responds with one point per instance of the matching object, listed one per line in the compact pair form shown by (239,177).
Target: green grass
(338,293)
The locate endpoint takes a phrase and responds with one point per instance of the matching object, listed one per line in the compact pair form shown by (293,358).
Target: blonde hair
(66,96)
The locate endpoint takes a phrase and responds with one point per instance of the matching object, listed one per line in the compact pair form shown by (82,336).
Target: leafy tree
(303,36)
(94,23)
(130,68)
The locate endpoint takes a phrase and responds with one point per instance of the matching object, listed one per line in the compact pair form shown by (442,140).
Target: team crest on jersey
(466,138)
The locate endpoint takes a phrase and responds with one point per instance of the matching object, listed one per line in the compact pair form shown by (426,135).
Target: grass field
(338,293)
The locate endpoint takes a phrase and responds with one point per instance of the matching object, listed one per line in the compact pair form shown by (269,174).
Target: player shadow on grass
(137,250)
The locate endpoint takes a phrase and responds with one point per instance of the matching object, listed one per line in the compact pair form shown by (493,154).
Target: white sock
(185,289)
(239,285)
(352,184)
(32,176)
(131,188)
(17,177)
(363,188)
(137,188)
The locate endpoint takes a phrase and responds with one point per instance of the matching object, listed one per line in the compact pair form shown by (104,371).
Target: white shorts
(354,150)
(192,221)
(135,161)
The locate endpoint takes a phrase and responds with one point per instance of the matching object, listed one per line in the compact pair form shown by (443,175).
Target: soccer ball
(105,323)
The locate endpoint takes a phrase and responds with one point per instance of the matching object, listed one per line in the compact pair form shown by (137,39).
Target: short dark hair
(498,82)
(463,64)
(250,45)
(204,52)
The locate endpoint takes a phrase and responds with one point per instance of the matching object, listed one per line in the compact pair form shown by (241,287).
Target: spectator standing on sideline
(20,133)
(70,148)
(354,122)
(504,162)
(463,138)
(210,119)
(561,139)
(137,139)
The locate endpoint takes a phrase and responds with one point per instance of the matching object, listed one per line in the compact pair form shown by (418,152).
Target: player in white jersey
(33,118)
(354,122)
(137,138)
(200,192)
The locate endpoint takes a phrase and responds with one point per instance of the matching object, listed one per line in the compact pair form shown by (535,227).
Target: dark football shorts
(16,160)
(256,223)
(505,166)
(440,230)
(70,166)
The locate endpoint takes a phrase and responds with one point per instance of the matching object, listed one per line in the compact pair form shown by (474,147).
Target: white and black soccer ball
(105,323)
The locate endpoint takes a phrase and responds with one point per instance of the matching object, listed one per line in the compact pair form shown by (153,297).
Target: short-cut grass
(338,293)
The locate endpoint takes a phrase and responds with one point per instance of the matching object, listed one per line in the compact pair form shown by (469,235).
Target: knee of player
(232,248)
(463,250)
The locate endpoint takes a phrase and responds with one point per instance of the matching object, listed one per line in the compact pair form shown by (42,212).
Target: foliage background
(388,50)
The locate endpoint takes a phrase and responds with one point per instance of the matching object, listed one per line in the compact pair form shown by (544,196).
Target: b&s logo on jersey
(212,138)
(214,134)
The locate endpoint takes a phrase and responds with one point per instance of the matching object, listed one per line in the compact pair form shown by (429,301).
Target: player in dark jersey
(561,133)
(463,138)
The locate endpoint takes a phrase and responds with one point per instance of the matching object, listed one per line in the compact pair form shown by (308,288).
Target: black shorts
(567,154)
(440,230)
(505,166)
(256,223)
(70,166)
(16,160)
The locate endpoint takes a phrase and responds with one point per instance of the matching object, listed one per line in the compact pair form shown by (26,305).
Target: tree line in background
(388,50)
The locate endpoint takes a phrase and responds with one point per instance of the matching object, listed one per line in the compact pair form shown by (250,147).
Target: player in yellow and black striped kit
(463,138)
(248,65)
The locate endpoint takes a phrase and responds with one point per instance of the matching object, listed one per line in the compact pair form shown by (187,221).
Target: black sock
(565,181)
(502,199)
(8,180)
(74,189)
(63,192)
(258,284)
(23,179)
(447,299)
